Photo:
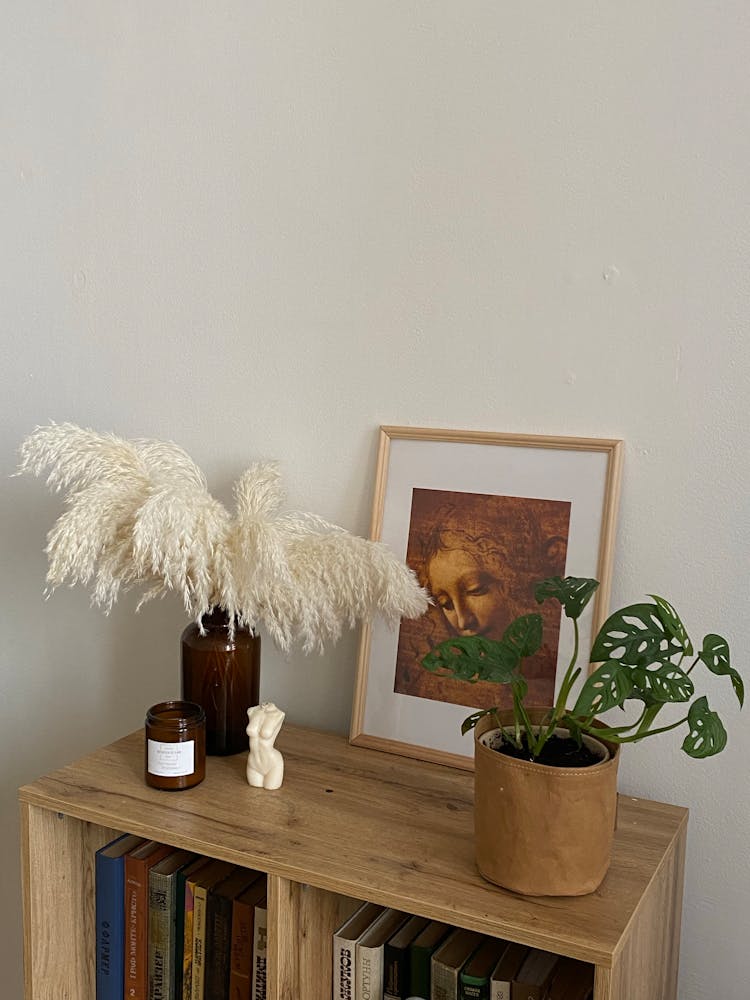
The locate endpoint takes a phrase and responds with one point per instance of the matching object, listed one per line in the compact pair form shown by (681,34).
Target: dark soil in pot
(558,751)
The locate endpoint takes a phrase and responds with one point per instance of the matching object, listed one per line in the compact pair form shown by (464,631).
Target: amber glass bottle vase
(221,673)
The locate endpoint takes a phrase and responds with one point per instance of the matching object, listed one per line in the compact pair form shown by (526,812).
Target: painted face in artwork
(470,597)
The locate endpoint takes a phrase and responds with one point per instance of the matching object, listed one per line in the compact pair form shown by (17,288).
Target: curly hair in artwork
(480,575)
(479,556)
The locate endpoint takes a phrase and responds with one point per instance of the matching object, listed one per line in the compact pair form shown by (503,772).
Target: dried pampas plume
(139,514)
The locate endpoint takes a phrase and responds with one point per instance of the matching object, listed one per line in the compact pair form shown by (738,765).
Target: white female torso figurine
(265,765)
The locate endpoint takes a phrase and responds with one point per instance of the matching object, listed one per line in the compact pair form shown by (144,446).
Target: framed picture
(481,518)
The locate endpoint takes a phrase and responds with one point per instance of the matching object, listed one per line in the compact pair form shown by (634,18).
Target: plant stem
(614,736)
(695,661)
(521,711)
(571,676)
(649,714)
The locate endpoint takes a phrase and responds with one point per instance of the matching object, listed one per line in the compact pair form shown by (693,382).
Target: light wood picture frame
(480,517)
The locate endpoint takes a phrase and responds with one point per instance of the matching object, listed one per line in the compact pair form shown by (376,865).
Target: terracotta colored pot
(540,830)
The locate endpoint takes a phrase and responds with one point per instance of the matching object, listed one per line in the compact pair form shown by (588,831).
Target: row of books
(383,954)
(173,925)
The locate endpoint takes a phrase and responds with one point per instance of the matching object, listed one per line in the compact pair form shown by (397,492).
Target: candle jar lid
(177,715)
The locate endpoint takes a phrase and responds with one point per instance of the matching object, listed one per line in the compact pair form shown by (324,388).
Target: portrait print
(481,517)
(480,556)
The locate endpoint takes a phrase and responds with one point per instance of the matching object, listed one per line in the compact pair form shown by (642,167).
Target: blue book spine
(110,920)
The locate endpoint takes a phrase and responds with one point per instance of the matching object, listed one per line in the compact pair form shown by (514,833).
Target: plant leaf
(473,658)
(574,592)
(707,735)
(665,684)
(525,634)
(636,636)
(673,623)
(471,720)
(715,654)
(608,686)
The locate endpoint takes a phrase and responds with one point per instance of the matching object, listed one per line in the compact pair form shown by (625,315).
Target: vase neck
(216,618)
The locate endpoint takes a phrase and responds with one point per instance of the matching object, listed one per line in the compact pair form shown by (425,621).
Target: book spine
(500,991)
(187,942)
(395,973)
(218,949)
(110,913)
(160,937)
(419,974)
(241,951)
(521,992)
(444,983)
(200,903)
(260,946)
(369,973)
(475,991)
(343,969)
(136,942)
(179,933)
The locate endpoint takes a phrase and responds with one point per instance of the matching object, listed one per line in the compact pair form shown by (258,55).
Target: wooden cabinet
(348,824)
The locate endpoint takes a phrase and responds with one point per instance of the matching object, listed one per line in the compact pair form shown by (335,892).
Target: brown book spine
(260,944)
(241,951)
(136,921)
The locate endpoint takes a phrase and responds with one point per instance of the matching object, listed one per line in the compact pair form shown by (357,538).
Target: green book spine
(474,989)
(419,973)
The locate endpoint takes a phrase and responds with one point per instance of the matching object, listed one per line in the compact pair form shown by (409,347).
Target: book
(571,980)
(368,983)
(219,929)
(138,863)
(501,980)
(184,926)
(201,883)
(260,950)
(241,947)
(162,921)
(397,960)
(533,978)
(421,951)
(474,978)
(344,949)
(109,880)
(448,960)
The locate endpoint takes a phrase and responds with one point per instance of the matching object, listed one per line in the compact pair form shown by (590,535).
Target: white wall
(263,229)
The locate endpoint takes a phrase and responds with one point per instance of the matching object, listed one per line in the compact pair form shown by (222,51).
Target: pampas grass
(139,514)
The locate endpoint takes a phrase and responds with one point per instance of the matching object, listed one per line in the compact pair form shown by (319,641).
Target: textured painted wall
(264,229)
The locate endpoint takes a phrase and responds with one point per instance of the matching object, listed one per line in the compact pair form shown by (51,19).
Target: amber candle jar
(221,673)
(175,745)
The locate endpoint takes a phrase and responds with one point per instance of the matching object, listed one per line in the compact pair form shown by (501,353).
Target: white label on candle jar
(171,760)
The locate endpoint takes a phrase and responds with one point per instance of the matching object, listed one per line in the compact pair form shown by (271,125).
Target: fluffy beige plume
(139,513)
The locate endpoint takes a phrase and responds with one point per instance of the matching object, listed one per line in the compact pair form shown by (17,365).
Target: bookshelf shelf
(349,824)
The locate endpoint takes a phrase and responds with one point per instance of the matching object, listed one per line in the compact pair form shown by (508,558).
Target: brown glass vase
(221,674)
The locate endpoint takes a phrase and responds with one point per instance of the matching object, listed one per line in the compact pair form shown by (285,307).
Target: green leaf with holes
(715,654)
(665,683)
(473,658)
(707,735)
(471,720)
(608,686)
(673,624)
(525,634)
(636,636)
(573,592)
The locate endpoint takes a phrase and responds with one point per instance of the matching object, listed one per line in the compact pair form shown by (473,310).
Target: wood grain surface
(360,824)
